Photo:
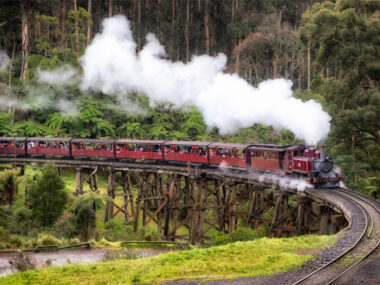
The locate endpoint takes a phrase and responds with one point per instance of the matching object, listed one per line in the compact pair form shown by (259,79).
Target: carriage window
(184,149)
(142,148)
(63,145)
(202,150)
(256,153)
(19,144)
(131,147)
(240,153)
(223,152)
(157,148)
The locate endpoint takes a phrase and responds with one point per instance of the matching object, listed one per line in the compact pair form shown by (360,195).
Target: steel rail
(366,200)
(346,251)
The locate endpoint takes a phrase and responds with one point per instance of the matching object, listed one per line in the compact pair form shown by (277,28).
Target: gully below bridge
(187,201)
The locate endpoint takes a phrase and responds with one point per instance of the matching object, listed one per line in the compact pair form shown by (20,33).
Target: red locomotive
(297,161)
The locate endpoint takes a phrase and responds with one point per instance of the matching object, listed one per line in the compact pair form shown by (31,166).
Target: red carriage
(48,146)
(139,149)
(267,157)
(229,154)
(93,148)
(186,151)
(10,145)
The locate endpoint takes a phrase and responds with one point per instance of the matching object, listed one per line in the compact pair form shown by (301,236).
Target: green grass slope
(259,257)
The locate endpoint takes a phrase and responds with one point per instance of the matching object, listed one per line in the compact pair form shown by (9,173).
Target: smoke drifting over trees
(226,101)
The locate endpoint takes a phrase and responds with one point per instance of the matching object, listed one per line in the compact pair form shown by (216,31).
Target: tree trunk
(109,8)
(187,31)
(25,38)
(139,25)
(207,28)
(89,8)
(308,65)
(37,26)
(10,77)
(63,18)
(76,28)
(233,12)
(171,48)
(158,19)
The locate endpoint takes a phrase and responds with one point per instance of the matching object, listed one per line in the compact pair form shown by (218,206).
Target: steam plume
(59,76)
(226,101)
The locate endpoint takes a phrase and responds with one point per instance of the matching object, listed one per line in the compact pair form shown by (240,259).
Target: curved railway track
(367,229)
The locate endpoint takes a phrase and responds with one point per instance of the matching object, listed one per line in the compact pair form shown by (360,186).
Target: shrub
(23,220)
(104,242)
(149,234)
(64,227)
(240,234)
(244,234)
(114,230)
(15,240)
(85,222)
(6,216)
(3,232)
(47,239)
(74,241)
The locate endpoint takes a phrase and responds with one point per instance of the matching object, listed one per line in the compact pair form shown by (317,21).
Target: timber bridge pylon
(186,201)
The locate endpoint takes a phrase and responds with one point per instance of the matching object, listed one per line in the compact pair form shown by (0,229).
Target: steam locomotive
(297,161)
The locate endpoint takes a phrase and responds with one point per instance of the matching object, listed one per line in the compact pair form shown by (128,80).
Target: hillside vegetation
(241,259)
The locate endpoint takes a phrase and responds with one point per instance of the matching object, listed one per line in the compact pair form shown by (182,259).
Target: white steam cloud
(4,60)
(59,76)
(226,101)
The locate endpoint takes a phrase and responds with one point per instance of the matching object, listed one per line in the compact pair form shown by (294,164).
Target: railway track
(365,240)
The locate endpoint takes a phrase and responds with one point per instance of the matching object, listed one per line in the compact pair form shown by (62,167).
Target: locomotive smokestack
(322,152)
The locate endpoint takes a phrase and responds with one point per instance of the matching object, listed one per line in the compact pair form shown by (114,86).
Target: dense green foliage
(345,39)
(84,209)
(47,196)
(260,257)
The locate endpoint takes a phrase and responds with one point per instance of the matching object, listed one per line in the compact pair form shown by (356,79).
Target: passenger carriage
(103,148)
(229,154)
(267,157)
(139,149)
(10,145)
(48,146)
(186,151)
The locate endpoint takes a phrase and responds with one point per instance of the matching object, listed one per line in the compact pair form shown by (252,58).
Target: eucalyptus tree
(346,73)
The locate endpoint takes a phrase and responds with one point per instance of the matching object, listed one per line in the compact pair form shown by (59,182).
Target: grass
(241,259)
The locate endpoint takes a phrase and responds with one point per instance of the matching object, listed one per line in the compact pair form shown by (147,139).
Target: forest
(329,50)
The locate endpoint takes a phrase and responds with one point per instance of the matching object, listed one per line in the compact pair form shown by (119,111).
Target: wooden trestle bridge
(200,199)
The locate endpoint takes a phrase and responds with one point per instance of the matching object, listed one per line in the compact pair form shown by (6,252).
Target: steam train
(297,160)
